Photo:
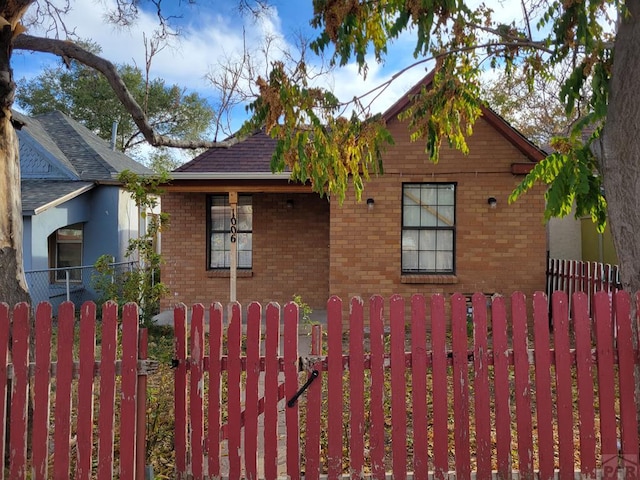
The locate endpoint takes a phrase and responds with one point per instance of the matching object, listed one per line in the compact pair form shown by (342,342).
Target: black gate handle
(294,399)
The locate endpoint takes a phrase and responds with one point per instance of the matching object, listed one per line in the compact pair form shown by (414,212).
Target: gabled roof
(251,157)
(518,140)
(75,148)
(251,154)
(65,159)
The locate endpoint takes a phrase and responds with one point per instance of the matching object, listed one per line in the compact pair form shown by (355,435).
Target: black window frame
(240,231)
(452,229)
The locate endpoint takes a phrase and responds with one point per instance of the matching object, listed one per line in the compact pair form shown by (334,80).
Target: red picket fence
(537,402)
(69,389)
(408,397)
(572,276)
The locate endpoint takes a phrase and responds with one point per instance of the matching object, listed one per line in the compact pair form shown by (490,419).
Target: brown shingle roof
(253,154)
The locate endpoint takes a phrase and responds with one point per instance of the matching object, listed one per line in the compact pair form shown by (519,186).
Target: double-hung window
(66,245)
(428,228)
(220,222)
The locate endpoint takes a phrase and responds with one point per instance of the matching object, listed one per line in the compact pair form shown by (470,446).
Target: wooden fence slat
(41,391)
(214,398)
(234,367)
(544,403)
(584,367)
(419,384)
(460,385)
(592,279)
(85,390)
(334,388)
(271,373)
(4,358)
(501,388)
(180,388)
(573,276)
(292,421)
(440,388)
(64,376)
(19,393)
(356,388)
(107,397)
(606,388)
(481,386)
(314,410)
(398,388)
(626,384)
(141,407)
(574,281)
(564,383)
(214,414)
(129,385)
(376,432)
(522,386)
(196,389)
(254,319)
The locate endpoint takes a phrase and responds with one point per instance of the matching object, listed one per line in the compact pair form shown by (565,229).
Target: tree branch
(69,50)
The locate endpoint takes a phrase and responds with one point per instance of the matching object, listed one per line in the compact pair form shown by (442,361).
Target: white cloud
(347,83)
(211,33)
(205,39)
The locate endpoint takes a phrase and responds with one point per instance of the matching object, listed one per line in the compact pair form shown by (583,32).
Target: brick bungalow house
(420,227)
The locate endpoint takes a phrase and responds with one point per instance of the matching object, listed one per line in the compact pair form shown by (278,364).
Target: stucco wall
(565,237)
(44,224)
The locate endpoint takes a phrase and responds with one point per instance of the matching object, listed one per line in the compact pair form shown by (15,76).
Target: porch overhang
(248,182)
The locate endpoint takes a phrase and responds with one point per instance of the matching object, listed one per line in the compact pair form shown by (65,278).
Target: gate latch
(294,399)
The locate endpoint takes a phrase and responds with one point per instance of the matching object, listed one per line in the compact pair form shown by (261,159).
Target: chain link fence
(57,285)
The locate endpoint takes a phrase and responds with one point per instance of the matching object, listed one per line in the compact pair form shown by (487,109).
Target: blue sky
(212,30)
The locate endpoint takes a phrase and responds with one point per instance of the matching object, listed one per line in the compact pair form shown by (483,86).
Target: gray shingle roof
(87,158)
(80,150)
(38,195)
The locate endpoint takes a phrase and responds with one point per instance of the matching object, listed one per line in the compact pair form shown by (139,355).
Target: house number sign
(234,227)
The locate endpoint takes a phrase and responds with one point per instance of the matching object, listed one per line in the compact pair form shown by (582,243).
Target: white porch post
(233,260)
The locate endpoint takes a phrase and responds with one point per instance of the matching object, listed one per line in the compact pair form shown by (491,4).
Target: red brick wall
(497,250)
(289,257)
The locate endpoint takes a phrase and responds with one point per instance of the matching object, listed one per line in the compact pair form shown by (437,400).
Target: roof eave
(229,176)
(59,200)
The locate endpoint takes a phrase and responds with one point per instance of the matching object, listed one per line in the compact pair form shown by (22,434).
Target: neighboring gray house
(73,208)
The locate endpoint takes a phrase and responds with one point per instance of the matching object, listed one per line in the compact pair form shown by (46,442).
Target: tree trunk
(620,154)
(13,287)
(620,159)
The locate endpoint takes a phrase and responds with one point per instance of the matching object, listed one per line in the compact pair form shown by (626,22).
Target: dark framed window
(428,227)
(66,246)
(219,232)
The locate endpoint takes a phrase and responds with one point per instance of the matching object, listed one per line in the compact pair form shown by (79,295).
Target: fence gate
(419,389)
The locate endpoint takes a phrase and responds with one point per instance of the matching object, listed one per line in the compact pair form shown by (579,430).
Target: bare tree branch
(69,50)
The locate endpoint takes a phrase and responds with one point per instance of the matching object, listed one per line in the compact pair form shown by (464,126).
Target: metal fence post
(66,279)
